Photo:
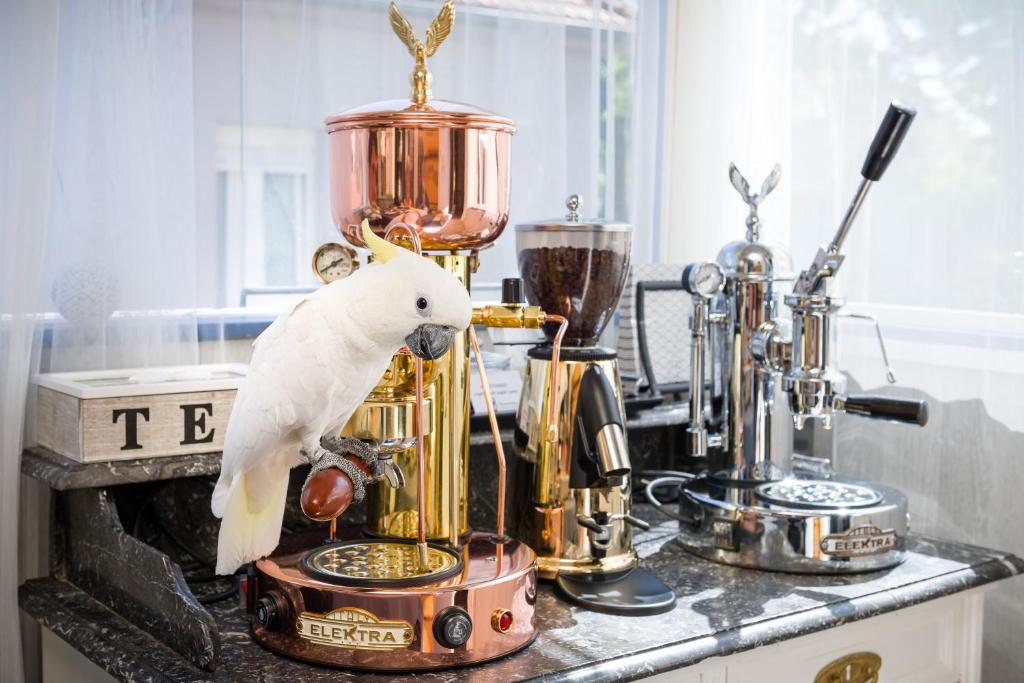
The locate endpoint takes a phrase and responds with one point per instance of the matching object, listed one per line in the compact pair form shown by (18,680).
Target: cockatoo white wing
(302,380)
(275,402)
(264,415)
(311,369)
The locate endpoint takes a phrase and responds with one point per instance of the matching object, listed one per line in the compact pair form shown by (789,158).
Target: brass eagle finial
(438,30)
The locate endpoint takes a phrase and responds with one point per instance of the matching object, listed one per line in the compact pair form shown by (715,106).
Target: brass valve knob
(509,316)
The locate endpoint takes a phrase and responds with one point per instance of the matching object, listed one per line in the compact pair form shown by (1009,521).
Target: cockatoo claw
(333,452)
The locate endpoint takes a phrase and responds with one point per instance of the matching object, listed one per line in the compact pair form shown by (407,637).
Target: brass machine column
(393,512)
(441,169)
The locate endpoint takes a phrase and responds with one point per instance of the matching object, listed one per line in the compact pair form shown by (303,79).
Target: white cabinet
(935,642)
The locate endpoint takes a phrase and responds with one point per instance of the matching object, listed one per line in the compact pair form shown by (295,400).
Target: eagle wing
(403,29)
(440,27)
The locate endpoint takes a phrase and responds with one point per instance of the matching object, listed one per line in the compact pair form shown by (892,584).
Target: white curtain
(937,252)
(123,216)
(98,218)
(162,156)
(27,43)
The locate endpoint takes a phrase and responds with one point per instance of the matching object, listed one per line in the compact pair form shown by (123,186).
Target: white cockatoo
(310,370)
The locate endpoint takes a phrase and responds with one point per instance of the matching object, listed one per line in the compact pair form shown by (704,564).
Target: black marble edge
(776,629)
(64,474)
(101,635)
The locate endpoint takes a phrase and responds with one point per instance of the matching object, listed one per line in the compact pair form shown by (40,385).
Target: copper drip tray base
(380,563)
(393,626)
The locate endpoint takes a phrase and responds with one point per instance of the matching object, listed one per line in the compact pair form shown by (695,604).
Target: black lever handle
(906,410)
(887,140)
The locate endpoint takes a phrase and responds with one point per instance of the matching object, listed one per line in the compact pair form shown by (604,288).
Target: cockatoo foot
(332,452)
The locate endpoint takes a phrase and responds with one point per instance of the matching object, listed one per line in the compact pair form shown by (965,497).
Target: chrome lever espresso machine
(747,507)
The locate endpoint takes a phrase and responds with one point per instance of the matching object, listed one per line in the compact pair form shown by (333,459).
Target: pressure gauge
(703,279)
(333,261)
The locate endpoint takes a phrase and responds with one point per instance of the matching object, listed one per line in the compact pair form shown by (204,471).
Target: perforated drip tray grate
(817,494)
(381,563)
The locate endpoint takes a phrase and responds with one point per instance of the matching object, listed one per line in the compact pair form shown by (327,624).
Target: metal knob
(637,522)
(512,291)
(600,534)
(452,627)
(573,203)
(270,610)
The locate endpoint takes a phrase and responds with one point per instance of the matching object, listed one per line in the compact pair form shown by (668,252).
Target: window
(273,70)
(265,210)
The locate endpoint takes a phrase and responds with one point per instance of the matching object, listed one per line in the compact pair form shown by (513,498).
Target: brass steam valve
(512,312)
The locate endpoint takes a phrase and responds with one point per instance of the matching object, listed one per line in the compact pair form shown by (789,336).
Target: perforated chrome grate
(816,493)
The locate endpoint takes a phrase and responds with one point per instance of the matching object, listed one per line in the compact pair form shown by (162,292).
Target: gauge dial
(333,261)
(705,279)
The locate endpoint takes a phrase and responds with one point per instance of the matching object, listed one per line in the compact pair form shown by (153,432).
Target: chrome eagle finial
(753,201)
(438,30)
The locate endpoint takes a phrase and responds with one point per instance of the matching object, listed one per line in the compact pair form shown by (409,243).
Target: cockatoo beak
(430,341)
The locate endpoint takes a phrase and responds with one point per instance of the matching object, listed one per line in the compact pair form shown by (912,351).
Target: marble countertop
(721,610)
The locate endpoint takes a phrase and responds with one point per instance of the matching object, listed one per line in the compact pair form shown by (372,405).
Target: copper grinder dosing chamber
(418,589)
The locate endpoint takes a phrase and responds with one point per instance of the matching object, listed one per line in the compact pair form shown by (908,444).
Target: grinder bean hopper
(576,492)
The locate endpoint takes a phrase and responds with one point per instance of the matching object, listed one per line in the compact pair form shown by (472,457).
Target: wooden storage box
(109,415)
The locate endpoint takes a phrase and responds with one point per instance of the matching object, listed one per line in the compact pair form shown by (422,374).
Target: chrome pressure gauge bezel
(704,279)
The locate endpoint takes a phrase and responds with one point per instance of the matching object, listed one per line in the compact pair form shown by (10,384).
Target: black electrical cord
(195,571)
(222,595)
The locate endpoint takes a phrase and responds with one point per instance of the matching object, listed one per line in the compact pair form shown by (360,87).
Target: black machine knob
(687,272)
(887,140)
(270,610)
(452,627)
(512,291)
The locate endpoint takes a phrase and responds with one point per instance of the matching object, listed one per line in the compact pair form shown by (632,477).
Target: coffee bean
(581,284)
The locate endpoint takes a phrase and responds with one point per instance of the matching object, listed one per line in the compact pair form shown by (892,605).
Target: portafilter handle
(889,408)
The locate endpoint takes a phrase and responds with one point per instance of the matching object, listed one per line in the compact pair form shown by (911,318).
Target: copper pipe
(421,474)
(556,348)
(410,231)
(495,432)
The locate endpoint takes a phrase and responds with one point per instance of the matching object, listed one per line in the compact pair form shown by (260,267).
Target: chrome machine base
(807,526)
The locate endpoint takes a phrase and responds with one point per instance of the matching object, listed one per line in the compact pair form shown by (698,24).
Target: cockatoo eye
(423,306)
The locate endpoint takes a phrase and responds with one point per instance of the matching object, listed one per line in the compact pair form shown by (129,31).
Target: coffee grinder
(416,589)
(575,494)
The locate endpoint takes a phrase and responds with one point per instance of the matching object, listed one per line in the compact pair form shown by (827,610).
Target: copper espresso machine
(576,492)
(418,589)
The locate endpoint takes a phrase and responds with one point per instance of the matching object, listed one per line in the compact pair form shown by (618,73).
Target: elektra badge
(864,540)
(354,628)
